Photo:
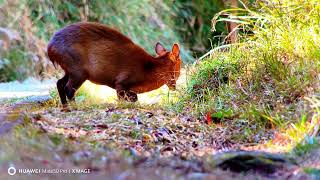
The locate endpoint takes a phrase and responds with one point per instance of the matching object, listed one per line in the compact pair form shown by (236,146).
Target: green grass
(262,80)
(306,146)
(313,171)
(12,66)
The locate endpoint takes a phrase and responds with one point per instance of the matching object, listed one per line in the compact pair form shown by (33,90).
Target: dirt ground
(126,143)
(134,141)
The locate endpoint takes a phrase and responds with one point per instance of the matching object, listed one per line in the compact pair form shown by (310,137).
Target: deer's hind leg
(77,75)
(74,83)
(61,89)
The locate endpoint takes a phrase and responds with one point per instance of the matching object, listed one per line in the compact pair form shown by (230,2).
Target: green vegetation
(264,79)
(306,147)
(193,24)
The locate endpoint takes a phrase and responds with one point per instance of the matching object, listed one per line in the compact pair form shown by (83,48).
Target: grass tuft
(261,81)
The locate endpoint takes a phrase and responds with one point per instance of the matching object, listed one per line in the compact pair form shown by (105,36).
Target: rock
(7,36)
(244,161)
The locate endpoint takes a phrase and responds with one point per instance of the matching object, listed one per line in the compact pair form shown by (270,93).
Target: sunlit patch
(94,93)
(29,87)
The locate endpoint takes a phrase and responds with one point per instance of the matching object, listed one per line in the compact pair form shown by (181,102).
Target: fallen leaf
(208,117)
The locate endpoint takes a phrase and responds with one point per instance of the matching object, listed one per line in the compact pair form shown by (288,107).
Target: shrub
(264,78)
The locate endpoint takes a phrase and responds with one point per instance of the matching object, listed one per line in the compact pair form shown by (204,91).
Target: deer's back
(100,52)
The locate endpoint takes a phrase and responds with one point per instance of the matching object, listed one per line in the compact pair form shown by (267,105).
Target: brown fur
(95,52)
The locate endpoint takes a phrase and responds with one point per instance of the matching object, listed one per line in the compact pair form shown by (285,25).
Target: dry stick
(316,128)
(233,25)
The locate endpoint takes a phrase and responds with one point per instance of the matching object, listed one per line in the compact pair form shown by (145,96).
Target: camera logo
(12,171)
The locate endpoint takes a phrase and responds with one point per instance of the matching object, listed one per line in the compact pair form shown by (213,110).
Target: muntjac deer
(95,52)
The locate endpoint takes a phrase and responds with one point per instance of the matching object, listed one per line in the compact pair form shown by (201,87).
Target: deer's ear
(160,50)
(175,50)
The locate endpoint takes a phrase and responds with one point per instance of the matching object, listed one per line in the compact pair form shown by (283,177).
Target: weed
(306,146)
(263,78)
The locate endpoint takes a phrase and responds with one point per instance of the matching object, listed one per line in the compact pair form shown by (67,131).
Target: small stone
(149,114)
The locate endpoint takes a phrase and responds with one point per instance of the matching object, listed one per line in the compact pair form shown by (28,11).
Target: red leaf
(98,131)
(45,161)
(102,126)
(208,117)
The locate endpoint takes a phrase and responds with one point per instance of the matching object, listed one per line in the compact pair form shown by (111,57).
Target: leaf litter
(152,139)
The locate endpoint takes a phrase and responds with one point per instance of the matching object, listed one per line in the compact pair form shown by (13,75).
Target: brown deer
(95,52)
